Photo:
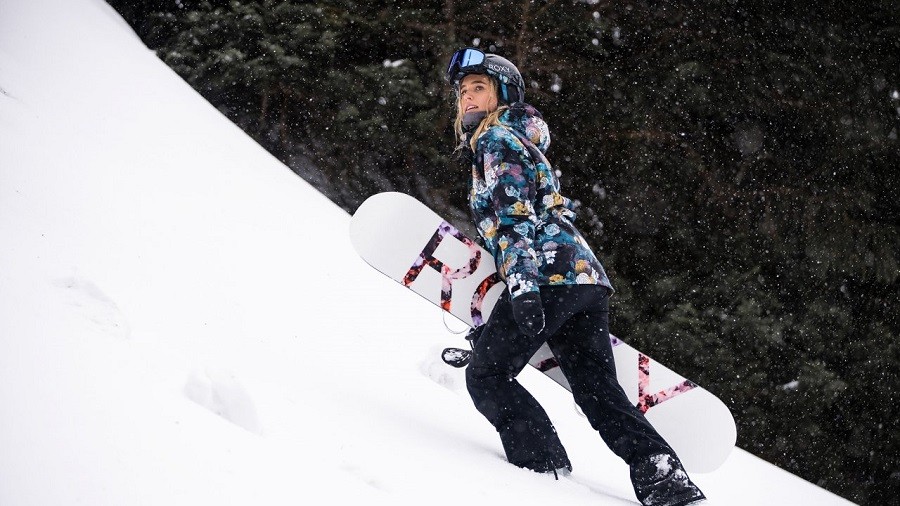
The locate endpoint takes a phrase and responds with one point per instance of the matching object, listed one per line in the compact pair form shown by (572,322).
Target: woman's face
(476,94)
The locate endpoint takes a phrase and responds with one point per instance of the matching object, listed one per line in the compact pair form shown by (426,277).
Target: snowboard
(408,242)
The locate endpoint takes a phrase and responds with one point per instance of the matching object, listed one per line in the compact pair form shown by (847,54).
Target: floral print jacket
(515,201)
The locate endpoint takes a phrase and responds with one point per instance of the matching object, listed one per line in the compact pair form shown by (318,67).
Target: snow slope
(169,333)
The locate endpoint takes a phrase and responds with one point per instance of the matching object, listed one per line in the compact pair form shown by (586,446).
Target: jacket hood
(528,121)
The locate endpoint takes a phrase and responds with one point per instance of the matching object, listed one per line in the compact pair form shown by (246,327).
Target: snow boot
(661,480)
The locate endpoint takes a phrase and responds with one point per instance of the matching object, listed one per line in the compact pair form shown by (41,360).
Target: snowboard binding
(456,357)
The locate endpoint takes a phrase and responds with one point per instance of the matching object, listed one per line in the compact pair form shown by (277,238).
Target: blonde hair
(492,119)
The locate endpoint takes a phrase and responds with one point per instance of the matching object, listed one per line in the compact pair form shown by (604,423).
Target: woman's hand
(528,311)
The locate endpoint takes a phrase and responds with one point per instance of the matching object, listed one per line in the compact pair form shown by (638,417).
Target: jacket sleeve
(510,176)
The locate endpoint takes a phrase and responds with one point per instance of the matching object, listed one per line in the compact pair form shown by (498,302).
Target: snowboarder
(558,290)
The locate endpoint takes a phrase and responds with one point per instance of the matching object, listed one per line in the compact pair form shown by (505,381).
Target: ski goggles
(463,60)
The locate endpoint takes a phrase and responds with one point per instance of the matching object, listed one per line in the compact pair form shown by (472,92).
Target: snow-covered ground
(183,320)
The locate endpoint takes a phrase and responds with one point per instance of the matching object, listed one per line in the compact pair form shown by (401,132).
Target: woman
(558,290)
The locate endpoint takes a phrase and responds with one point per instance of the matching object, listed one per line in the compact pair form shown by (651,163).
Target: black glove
(528,312)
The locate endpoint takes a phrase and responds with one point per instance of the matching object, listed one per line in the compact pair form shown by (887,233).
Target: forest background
(735,164)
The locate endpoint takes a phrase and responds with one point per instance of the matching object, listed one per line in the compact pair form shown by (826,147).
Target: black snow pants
(577,332)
